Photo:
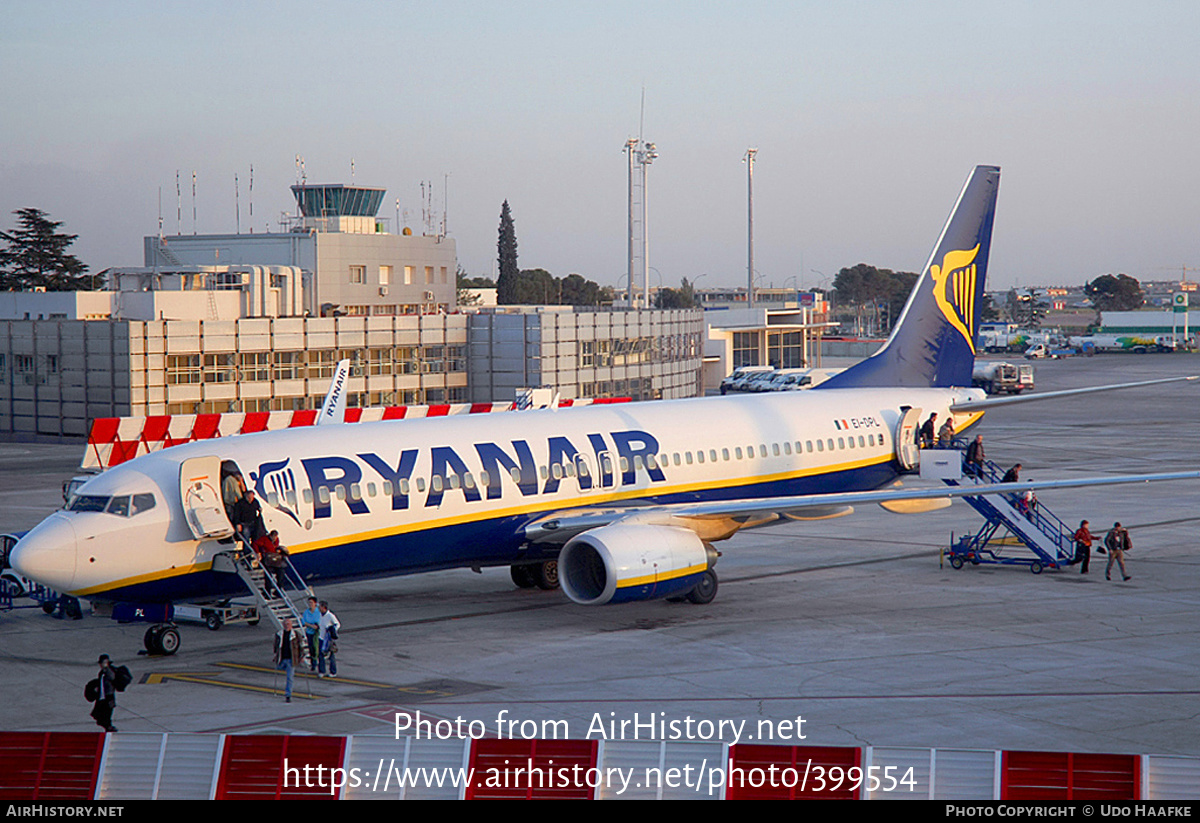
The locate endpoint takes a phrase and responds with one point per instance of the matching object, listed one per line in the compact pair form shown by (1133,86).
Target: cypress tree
(507,281)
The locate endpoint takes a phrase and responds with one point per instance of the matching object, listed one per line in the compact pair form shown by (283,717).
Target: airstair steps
(277,602)
(1049,539)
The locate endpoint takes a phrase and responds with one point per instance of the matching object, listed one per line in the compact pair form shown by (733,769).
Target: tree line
(524,287)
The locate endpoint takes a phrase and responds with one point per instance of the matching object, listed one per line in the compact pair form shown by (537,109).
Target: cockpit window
(90,503)
(123,505)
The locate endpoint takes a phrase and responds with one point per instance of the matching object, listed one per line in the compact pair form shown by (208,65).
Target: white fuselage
(396,497)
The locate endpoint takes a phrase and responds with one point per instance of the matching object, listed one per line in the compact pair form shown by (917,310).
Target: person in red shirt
(272,555)
(1083,546)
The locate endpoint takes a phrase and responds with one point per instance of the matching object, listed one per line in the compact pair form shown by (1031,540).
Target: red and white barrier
(114,440)
(78,767)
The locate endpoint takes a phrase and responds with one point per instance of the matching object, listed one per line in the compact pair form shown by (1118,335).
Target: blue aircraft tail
(933,343)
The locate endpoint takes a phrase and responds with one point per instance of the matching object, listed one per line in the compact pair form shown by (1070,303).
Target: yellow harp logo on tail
(954,291)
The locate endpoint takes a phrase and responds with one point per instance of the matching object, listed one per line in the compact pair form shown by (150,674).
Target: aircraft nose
(47,554)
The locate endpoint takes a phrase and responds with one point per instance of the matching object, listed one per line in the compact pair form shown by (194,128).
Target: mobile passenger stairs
(1049,538)
(276,596)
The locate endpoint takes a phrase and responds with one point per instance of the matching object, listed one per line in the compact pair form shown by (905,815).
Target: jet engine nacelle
(626,562)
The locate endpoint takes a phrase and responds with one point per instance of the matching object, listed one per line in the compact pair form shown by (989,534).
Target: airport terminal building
(257,322)
(56,375)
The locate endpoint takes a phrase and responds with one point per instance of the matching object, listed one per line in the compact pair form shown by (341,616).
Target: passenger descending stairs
(277,603)
(1048,537)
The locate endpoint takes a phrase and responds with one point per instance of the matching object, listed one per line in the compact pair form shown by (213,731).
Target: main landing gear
(543,575)
(162,638)
(704,592)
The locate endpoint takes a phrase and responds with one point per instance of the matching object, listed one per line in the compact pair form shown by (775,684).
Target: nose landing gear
(162,638)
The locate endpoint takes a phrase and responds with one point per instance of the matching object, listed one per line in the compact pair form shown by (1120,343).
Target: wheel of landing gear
(955,562)
(150,639)
(546,575)
(168,640)
(522,576)
(705,590)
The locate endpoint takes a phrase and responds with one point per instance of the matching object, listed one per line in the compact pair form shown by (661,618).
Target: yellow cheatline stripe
(149,577)
(660,578)
(589,501)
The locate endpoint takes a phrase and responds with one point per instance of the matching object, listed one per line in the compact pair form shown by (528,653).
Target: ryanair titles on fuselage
(607,465)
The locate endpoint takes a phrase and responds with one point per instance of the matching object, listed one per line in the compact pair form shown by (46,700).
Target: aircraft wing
(993,402)
(716,520)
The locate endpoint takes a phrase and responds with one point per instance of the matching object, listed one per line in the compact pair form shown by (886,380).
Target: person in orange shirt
(1083,546)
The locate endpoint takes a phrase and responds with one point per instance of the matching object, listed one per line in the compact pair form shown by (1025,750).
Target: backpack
(122,677)
(91,692)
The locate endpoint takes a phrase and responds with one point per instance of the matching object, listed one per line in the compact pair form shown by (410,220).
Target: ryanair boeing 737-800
(628,499)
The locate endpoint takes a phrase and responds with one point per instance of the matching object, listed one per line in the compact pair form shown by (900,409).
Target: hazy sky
(867,116)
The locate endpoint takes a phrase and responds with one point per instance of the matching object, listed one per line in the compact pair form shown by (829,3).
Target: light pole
(696,291)
(642,154)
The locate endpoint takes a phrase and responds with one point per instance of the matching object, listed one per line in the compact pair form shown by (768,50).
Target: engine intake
(627,562)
